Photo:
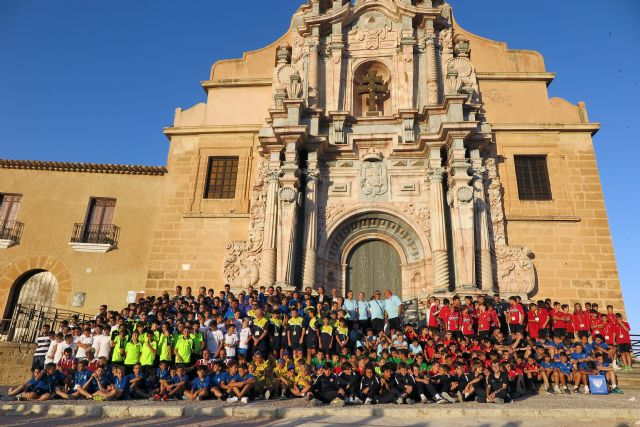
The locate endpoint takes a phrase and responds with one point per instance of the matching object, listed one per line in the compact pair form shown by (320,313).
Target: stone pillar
(287,218)
(432,65)
(462,216)
(484,271)
(440,258)
(313,90)
(269,251)
(311,228)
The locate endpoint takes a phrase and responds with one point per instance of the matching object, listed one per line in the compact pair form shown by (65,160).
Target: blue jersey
(566,367)
(163,374)
(81,377)
(124,385)
(578,356)
(547,365)
(49,383)
(178,379)
(227,378)
(376,308)
(200,384)
(363,310)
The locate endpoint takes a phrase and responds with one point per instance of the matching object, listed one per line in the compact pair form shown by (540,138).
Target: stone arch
(14,274)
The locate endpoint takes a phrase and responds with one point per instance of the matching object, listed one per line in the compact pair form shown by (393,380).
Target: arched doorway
(371,265)
(35,288)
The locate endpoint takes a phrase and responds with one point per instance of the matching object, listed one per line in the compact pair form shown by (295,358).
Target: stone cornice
(226,83)
(83,167)
(196,130)
(591,128)
(536,218)
(525,77)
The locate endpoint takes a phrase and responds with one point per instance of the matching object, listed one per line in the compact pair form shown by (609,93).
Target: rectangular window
(100,211)
(222,175)
(533,178)
(9,205)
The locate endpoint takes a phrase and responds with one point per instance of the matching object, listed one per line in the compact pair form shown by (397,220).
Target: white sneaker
(244,400)
(357,401)
(424,399)
(556,389)
(400,401)
(232,399)
(337,402)
(448,398)
(368,401)
(315,402)
(586,390)
(267,395)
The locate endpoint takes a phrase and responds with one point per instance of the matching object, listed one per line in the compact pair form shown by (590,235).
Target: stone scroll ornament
(514,267)
(241,265)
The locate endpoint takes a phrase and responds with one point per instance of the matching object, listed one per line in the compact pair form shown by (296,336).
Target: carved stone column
(311,228)
(432,65)
(269,251)
(287,218)
(462,216)
(313,92)
(484,271)
(440,258)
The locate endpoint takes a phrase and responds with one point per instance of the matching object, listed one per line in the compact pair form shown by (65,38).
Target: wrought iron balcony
(97,234)
(10,232)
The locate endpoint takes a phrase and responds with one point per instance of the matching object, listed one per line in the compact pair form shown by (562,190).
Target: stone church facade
(377,144)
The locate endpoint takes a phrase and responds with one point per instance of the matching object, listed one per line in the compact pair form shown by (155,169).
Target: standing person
(351,306)
(516,316)
(362,310)
(43,341)
(432,314)
(376,308)
(85,342)
(183,348)
(260,331)
(393,309)
(623,339)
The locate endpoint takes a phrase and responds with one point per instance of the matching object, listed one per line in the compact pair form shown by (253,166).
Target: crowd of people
(266,343)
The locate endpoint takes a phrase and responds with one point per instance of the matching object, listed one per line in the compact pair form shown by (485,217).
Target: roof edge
(83,167)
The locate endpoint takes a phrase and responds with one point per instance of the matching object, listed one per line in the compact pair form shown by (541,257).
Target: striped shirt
(42,344)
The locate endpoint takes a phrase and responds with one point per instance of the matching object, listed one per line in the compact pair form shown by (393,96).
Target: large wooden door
(372,265)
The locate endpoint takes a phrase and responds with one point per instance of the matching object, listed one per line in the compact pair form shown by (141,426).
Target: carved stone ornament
(327,216)
(514,267)
(294,87)
(288,194)
(372,155)
(241,264)
(373,179)
(421,215)
(461,77)
(465,194)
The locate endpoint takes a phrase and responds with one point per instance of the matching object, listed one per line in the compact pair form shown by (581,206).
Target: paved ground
(18,420)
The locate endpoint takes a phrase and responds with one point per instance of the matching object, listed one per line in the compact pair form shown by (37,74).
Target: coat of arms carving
(373,179)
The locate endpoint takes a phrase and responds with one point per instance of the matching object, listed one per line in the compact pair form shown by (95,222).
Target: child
(81,378)
(179,383)
(231,342)
(120,389)
(623,340)
(241,388)
(606,369)
(415,347)
(327,388)
(26,387)
(199,386)
(369,386)
(564,373)
(302,382)
(245,335)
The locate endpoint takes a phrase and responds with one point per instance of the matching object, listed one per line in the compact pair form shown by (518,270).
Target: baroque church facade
(376,145)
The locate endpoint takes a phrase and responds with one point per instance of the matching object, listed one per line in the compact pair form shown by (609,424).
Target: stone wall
(15,363)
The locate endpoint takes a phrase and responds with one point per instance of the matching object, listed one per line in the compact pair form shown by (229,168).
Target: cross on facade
(374,86)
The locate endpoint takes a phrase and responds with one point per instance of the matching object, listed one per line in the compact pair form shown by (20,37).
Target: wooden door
(372,265)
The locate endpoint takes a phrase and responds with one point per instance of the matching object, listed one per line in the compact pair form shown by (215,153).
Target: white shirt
(214,339)
(230,343)
(82,353)
(60,348)
(105,346)
(51,352)
(244,337)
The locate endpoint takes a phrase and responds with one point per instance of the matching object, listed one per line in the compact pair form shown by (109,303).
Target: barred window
(222,176)
(533,178)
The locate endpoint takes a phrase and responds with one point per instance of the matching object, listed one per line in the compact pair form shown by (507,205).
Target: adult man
(102,312)
(393,308)
(363,312)
(351,306)
(376,308)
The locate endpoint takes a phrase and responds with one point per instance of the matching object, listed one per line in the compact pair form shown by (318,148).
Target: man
(393,308)
(102,312)
(43,341)
(363,312)
(376,308)
(351,306)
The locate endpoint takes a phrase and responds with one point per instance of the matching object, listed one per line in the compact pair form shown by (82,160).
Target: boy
(327,388)
(199,386)
(405,385)
(369,386)
(242,387)
(179,383)
(606,369)
(26,387)
(231,342)
(564,373)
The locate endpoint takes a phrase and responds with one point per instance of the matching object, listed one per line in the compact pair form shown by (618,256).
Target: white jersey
(214,340)
(230,343)
(82,352)
(245,333)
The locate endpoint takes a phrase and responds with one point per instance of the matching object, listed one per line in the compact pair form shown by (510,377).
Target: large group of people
(330,349)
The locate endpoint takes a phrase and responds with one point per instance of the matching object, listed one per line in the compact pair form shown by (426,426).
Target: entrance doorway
(371,265)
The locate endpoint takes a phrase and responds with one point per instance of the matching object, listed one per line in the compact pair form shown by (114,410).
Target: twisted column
(440,257)
(269,252)
(313,74)
(432,68)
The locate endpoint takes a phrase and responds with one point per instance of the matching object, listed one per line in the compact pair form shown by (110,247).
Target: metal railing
(107,234)
(635,345)
(28,320)
(11,230)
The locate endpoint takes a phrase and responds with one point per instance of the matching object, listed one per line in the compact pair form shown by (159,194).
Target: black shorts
(515,328)
(484,334)
(624,348)
(544,333)
(583,334)
(560,332)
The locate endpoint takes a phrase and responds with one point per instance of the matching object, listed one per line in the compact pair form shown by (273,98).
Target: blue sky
(96,81)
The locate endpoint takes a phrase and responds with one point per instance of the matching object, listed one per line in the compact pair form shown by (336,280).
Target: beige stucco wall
(52,202)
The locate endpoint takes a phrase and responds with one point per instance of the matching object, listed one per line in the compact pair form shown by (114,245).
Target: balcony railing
(11,230)
(103,234)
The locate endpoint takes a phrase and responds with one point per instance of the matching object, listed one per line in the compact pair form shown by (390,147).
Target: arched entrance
(371,265)
(36,288)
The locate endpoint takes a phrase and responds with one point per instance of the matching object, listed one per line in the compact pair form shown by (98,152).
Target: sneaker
(198,398)
(185,398)
(232,400)
(267,395)
(424,399)
(21,398)
(410,402)
(244,400)
(156,397)
(459,396)
(616,391)
(315,402)
(165,397)
(400,401)
(337,402)
(556,389)
(586,390)
(441,401)
(368,401)
(567,391)
(97,398)
(499,400)
(448,398)
(357,401)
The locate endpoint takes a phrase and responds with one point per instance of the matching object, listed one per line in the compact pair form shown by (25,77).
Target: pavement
(540,410)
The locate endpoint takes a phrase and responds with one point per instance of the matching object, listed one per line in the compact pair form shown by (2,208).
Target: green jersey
(184,347)
(164,344)
(119,344)
(148,357)
(132,351)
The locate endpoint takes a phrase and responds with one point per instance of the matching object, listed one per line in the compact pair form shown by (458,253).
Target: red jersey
(611,318)
(65,365)
(597,326)
(453,321)
(433,316)
(91,367)
(580,321)
(533,324)
(467,324)
(444,314)
(484,321)
(568,323)
(543,318)
(207,363)
(610,331)
(516,314)
(623,334)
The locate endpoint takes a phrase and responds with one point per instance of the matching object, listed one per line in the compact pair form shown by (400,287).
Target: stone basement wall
(15,363)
